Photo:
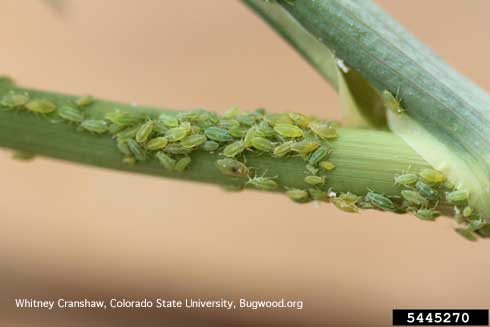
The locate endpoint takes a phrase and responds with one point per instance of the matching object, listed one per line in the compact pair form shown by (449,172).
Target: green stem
(364,158)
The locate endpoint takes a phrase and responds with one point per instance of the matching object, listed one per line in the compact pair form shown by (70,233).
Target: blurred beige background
(74,231)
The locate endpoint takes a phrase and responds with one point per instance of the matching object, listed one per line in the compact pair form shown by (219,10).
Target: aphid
(315,180)
(166,161)
(238,132)
(233,112)
(84,101)
(323,129)
(311,169)
(346,202)
(317,194)
(176,148)
(282,149)
(144,132)
(127,133)
(392,103)
(168,120)
(210,146)
(114,129)
(176,133)
(124,148)
(277,118)
(263,183)
(365,205)
(95,126)
(189,115)
(193,141)
(427,191)
(264,130)
(182,164)
(262,144)
(414,197)
(247,120)
(432,176)
(427,214)
(232,167)
(233,149)
(13,100)
(228,123)
(380,201)
(405,179)
(40,106)
(327,165)
(187,126)
(318,155)
(288,130)
(457,196)
(70,114)
(299,119)
(123,118)
(247,140)
(297,195)
(304,147)
(136,150)
(218,134)
(129,160)
(157,143)
(23,155)
(466,233)
(467,211)
(449,185)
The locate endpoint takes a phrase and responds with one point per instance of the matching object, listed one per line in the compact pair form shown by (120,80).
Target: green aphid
(327,165)
(449,185)
(232,167)
(247,120)
(231,113)
(123,118)
(346,202)
(323,129)
(262,144)
(315,180)
(159,127)
(124,148)
(14,100)
(213,117)
(311,169)
(144,132)
(182,164)
(297,195)
(114,129)
(195,129)
(406,179)
(264,130)
(277,118)
(169,120)
(40,106)
(189,115)
(210,146)
(282,149)
(249,136)
(365,205)
(176,148)
(458,196)
(128,133)
(23,156)
(95,126)
(263,183)
(392,103)
(305,147)
(299,119)
(432,176)
(288,130)
(218,134)
(414,197)
(238,132)
(157,143)
(70,114)
(467,234)
(176,133)
(166,161)
(129,160)
(260,111)
(427,214)
(84,101)
(318,195)
(228,124)
(233,149)
(136,150)
(318,155)
(427,191)
(193,141)
(380,201)
(467,212)
(187,126)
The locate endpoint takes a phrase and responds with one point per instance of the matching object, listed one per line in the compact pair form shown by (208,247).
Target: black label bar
(440,317)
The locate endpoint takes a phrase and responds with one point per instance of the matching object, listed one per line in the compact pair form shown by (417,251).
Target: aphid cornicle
(427,191)
(262,144)
(323,129)
(84,101)
(40,106)
(392,103)
(166,161)
(70,114)
(297,195)
(405,179)
(176,133)
(233,149)
(288,130)
(282,149)
(144,132)
(263,183)
(232,167)
(414,197)
(193,141)
(315,180)
(458,196)
(432,176)
(136,150)
(218,134)
(157,143)
(182,164)
(95,126)
(380,201)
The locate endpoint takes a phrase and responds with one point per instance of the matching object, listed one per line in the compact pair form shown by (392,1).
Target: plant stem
(363,158)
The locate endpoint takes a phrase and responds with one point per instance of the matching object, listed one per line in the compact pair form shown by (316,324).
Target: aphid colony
(172,138)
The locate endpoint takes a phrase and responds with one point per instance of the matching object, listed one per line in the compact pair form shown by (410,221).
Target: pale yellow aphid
(392,103)
(432,176)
